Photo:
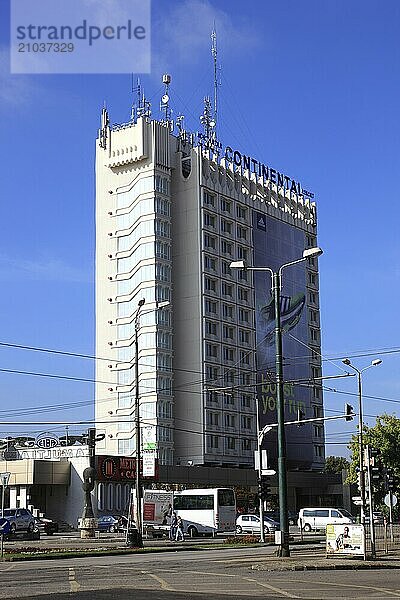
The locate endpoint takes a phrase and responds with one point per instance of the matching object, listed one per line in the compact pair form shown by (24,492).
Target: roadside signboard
(387,500)
(157,507)
(5,478)
(345,539)
(149,464)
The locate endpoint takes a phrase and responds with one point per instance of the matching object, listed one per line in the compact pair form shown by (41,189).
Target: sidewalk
(302,558)
(310,560)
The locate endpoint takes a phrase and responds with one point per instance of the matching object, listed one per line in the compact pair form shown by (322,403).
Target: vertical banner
(276,243)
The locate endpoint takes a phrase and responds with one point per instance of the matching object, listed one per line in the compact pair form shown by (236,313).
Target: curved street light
(348,363)
(276,277)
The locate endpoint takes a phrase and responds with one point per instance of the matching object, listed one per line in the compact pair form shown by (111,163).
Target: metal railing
(387,538)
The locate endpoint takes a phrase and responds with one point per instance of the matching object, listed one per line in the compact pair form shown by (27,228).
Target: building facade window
(211,350)
(210,285)
(226,205)
(226,226)
(210,241)
(213,442)
(208,199)
(241,211)
(226,247)
(227,289)
(227,311)
(231,443)
(211,328)
(229,354)
(211,307)
(209,220)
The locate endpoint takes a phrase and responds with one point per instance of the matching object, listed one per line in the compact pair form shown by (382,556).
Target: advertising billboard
(275,244)
(345,539)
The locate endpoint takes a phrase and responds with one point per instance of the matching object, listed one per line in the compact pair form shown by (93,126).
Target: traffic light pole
(371,504)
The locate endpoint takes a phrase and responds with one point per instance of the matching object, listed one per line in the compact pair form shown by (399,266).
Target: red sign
(149,512)
(118,468)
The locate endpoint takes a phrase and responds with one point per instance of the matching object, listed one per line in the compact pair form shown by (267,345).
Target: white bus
(210,510)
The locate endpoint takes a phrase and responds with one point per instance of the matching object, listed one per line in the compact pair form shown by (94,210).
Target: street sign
(356,498)
(149,464)
(387,500)
(4,526)
(5,478)
(268,472)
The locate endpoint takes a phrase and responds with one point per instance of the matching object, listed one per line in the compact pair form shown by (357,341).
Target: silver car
(21,519)
(251,524)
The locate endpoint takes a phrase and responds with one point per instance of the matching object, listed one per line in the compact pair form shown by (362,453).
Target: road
(212,574)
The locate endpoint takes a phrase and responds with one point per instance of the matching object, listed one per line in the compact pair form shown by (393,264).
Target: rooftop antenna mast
(165,107)
(214,52)
(142,107)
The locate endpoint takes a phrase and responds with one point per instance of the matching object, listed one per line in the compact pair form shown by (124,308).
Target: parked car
(47,526)
(275,516)
(251,524)
(318,518)
(111,523)
(21,519)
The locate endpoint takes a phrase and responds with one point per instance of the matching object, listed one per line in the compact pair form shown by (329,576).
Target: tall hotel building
(171,216)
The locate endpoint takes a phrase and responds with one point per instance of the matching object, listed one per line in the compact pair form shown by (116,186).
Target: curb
(332,567)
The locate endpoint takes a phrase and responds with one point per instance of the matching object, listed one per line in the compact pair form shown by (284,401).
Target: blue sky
(309,87)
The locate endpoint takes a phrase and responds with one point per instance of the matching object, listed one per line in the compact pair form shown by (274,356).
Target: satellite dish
(165,99)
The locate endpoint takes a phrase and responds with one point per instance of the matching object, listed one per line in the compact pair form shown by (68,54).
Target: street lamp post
(359,372)
(276,277)
(138,491)
(138,441)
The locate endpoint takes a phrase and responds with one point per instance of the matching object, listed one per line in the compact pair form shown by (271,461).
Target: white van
(318,518)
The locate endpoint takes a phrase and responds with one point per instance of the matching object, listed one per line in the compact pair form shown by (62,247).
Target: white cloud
(15,90)
(184,35)
(42,270)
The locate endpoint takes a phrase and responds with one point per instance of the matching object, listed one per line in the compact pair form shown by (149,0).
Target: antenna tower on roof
(214,52)
(142,107)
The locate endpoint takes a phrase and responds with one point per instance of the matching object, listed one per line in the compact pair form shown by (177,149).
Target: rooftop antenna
(142,107)
(214,52)
(164,105)
(207,121)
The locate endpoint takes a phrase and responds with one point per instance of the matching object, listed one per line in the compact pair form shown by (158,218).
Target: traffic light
(390,480)
(349,412)
(358,478)
(376,468)
(264,489)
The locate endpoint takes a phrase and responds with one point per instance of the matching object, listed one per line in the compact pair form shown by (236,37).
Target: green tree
(384,436)
(336,464)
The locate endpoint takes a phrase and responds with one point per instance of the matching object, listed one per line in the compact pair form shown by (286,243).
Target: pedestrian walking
(179,530)
(172,529)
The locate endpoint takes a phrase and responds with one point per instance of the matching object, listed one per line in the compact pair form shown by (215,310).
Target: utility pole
(368,460)
(260,500)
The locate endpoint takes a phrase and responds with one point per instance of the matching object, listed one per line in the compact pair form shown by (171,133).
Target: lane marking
(164,584)
(271,587)
(201,573)
(7,568)
(353,585)
(73,584)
